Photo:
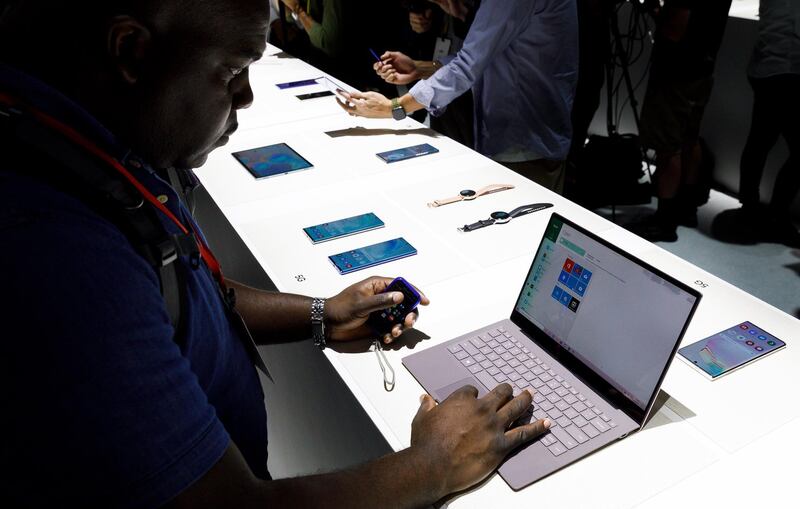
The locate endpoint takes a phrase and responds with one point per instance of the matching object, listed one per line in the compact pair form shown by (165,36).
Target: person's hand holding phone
(347,312)
(366,104)
(397,68)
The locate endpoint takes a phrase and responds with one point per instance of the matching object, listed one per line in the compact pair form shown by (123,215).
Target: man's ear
(128,45)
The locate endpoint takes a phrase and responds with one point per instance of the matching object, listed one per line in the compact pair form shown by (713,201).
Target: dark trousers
(776,112)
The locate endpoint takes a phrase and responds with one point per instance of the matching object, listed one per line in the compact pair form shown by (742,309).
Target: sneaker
(655,229)
(737,226)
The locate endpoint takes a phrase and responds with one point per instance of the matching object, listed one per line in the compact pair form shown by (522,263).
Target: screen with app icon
(730,349)
(343,227)
(595,301)
(370,256)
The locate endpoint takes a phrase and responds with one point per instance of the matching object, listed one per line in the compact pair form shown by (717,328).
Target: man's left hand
(366,104)
(347,312)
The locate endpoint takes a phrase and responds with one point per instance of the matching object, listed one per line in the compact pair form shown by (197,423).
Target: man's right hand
(467,438)
(397,68)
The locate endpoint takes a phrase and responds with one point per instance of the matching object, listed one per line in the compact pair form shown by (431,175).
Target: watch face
(501,217)
(468,193)
(398,113)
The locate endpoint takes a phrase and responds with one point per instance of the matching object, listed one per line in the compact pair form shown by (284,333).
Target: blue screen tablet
(272,160)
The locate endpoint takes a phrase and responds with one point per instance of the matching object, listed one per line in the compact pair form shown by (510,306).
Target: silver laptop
(593,332)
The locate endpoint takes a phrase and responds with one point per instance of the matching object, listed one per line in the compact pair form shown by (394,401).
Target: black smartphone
(295,84)
(314,95)
(401,154)
(384,320)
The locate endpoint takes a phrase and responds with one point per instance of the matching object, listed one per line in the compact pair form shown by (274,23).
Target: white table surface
(726,443)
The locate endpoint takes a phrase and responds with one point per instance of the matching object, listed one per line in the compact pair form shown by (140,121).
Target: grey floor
(315,423)
(770,272)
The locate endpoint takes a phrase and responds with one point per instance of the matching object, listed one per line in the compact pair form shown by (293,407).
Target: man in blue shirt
(105,403)
(520,58)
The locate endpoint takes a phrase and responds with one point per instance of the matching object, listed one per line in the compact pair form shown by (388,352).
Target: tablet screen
(271,160)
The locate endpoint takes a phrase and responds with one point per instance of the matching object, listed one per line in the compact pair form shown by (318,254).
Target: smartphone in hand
(384,320)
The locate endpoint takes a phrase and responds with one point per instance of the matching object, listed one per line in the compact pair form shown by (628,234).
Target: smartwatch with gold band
(469,194)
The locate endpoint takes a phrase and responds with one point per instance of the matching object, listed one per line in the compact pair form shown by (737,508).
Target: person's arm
(327,34)
(274,316)
(497,23)
(375,105)
(454,445)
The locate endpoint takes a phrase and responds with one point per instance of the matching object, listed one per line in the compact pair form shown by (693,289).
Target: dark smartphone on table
(314,95)
(343,227)
(401,154)
(295,84)
(384,320)
(370,256)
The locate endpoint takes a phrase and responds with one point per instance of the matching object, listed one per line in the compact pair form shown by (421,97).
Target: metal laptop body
(602,395)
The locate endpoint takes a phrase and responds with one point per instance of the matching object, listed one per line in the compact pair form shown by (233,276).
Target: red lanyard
(80,140)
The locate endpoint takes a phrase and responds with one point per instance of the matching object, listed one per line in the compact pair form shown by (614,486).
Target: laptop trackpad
(441,394)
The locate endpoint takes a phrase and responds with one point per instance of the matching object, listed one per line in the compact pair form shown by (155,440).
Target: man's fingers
(411,319)
(522,434)
(499,396)
(512,410)
(378,302)
(467,391)
(426,404)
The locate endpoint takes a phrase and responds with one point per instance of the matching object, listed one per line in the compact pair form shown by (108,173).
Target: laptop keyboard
(496,357)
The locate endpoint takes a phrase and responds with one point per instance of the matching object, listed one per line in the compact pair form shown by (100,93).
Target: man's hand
(468,437)
(397,68)
(456,8)
(348,311)
(366,104)
(421,22)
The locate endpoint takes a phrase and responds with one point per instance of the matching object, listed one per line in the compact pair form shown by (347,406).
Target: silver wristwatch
(318,322)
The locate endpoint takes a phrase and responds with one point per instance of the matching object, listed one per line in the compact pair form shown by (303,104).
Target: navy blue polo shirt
(101,405)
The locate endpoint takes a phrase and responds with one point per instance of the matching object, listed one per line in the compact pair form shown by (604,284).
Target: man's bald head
(165,76)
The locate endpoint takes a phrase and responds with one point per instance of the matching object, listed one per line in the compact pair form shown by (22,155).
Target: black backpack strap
(112,197)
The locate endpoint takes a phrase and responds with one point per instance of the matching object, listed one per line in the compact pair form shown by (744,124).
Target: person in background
(688,38)
(774,74)
(520,59)
(434,33)
(341,33)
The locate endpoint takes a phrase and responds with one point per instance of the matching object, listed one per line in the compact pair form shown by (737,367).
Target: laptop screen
(612,313)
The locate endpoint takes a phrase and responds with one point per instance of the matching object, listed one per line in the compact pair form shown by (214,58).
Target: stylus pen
(374,55)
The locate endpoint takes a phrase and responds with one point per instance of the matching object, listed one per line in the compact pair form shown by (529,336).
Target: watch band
(398,112)
(469,194)
(504,217)
(529,209)
(318,322)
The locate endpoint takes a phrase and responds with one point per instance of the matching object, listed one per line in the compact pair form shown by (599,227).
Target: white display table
(717,444)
